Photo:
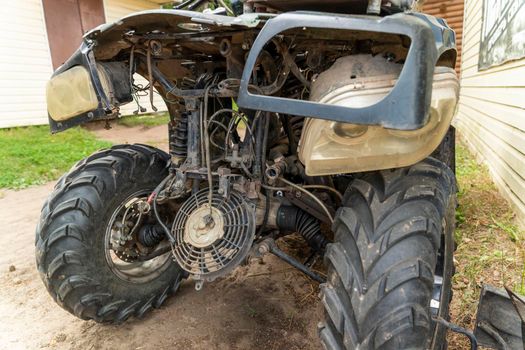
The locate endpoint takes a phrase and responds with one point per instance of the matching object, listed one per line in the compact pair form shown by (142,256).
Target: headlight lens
(70,94)
(328,147)
(347,130)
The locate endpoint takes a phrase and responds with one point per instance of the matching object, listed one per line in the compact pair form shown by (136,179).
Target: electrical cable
(327,188)
(153,198)
(317,200)
(207,148)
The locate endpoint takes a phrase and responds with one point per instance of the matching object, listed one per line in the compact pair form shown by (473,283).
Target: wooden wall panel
(452,12)
(491,114)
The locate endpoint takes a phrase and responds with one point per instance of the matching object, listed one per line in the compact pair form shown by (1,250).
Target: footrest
(498,322)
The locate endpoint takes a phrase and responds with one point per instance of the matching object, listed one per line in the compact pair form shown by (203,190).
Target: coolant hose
(290,218)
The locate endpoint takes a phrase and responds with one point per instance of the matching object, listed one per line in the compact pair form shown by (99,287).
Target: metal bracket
(460,330)
(499,323)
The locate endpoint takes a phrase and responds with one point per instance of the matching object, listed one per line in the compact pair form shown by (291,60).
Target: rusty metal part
(312,196)
(150,78)
(156,47)
(269,246)
(261,210)
(274,171)
(234,55)
(326,188)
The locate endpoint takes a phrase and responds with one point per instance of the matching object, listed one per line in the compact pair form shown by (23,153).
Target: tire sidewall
(439,340)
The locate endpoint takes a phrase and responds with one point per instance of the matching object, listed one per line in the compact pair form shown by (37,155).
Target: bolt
(263,249)
(198,285)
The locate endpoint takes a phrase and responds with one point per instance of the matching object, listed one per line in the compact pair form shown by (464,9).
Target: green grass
(32,156)
(491,248)
(145,120)
(520,287)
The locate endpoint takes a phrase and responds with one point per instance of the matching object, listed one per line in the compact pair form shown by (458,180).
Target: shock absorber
(178,138)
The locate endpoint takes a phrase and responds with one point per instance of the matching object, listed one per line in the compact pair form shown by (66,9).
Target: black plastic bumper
(407,105)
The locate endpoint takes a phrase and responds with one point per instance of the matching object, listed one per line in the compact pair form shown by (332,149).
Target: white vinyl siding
(25,60)
(25,63)
(116,9)
(492,112)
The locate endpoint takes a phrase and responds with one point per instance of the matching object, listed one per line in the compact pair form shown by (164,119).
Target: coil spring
(178,131)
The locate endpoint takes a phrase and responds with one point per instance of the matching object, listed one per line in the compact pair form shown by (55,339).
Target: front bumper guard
(406,107)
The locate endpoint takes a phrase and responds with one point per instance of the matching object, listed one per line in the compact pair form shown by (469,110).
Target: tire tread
(381,264)
(62,241)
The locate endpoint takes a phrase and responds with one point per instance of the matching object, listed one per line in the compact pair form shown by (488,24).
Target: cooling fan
(211,242)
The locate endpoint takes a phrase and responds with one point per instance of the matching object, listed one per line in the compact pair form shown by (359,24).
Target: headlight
(328,147)
(71,93)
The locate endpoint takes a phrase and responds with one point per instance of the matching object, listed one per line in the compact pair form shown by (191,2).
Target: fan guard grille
(221,256)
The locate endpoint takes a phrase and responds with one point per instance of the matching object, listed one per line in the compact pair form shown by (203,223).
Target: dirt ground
(156,136)
(261,306)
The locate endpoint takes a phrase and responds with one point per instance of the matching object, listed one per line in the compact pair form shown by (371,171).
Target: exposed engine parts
(238,175)
(178,138)
(293,219)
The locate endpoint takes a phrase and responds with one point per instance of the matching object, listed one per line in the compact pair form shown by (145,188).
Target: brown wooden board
(452,12)
(66,22)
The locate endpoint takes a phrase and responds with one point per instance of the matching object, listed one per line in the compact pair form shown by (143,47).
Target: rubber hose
(290,218)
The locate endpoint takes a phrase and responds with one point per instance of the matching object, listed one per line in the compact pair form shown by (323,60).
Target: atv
(330,119)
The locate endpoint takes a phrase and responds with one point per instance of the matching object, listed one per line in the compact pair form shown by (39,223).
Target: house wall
(452,12)
(491,114)
(25,60)
(25,63)
(116,9)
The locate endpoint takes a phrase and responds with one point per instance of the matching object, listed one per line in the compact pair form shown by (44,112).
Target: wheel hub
(121,247)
